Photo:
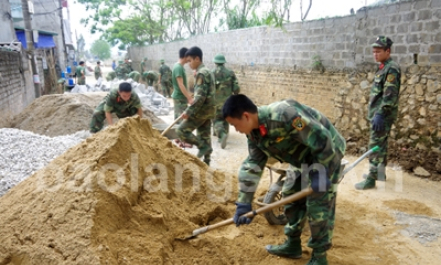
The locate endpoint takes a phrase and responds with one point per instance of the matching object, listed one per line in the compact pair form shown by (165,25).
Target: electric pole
(30,45)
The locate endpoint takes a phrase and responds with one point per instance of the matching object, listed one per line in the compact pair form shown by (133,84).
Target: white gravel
(22,153)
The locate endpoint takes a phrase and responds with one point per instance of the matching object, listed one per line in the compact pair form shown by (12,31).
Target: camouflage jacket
(204,104)
(293,133)
(115,104)
(226,84)
(150,77)
(135,76)
(143,66)
(383,98)
(165,73)
(97,71)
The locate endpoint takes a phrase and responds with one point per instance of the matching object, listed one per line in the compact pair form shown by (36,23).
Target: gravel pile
(23,152)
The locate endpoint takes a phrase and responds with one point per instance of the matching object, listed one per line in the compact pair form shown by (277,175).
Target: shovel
(171,125)
(294,197)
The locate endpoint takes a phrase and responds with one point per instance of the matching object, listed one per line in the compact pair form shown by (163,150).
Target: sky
(319,9)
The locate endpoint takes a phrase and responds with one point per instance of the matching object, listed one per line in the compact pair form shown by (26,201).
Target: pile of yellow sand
(118,198)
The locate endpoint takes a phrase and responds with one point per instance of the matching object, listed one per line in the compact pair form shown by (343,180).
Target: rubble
(150,99)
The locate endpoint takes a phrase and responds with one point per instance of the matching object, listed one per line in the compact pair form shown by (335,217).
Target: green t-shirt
(178,71)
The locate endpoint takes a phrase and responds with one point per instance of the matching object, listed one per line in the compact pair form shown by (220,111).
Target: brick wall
(16,89)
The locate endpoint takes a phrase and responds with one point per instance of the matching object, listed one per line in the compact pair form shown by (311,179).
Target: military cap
(162,60)
(219,58)
(382,42)
(145,58)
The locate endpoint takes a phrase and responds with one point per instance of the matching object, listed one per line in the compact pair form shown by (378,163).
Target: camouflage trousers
(97,76)
(81,80)
(378,160)
(166,88)
(203,138)
(220,125)
(99,115)
(179,106)
(318,209)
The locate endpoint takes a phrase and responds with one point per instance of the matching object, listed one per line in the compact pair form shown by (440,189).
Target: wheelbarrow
(276,216)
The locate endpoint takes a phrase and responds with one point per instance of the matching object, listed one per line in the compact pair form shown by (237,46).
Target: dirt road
(396,223)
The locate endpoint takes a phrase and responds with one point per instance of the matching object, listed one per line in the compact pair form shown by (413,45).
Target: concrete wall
(7,33)
(16,88)
(274,64)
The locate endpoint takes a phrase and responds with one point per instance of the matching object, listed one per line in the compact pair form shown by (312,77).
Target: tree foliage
(101,49)
(146,22)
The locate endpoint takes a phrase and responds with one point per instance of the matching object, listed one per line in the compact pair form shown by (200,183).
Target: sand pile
(123,195)
(62,114)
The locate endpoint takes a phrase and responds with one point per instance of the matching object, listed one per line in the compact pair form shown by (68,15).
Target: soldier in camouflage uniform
(198,115)
(150,77)
(382,111)
(120,72)
(97,70)
(226,85)
(110,76)
(80,73)
(135,76)
(165,75)
(143,65)
(303,137)
(122,101)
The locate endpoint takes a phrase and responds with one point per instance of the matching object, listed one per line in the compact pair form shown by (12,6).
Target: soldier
(143,65)
(226,85)
(97,71)
(181,96)
(150,77)
(382,110)
(198,115)
(135,75)
(303,137)
(127,67)
(110,76)
(80,73)
(165,75)
(120,72)
(122,101)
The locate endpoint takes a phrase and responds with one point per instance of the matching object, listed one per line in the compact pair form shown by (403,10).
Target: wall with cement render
(274,64)
(7,33)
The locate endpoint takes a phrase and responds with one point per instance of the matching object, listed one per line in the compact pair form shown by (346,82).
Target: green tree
(237,15)
(101,49)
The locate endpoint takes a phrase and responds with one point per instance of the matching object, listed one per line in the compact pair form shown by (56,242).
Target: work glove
(319,183)
(242,208)
(378,123)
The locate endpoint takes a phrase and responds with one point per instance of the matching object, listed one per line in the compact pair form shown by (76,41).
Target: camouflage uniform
(97,72)
(113,103)
(166,82)
(150,77)
(134,75)
(226,85)
(143,66)
(296,134)
(120,71)
(110,76)
(200,114)
(81,75)
(383,100)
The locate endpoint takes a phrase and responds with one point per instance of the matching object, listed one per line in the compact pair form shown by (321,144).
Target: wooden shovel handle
(294,197)
(171,125)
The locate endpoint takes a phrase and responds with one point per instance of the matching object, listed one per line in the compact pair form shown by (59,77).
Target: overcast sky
(319,9)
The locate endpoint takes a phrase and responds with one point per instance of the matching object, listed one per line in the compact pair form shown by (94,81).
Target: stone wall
(328,64)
